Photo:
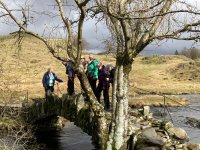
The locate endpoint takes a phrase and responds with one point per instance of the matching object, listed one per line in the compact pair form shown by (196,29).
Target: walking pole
(58,89)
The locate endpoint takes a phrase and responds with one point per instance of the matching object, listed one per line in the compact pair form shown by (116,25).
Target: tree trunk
(99,119)
(119,124)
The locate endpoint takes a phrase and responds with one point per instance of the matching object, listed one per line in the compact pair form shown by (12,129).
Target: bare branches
(82,4)
(142,22)
(3,15)
(11,15)
(82,7)
(21,26)
(61,10)
(14,132)
(144,40)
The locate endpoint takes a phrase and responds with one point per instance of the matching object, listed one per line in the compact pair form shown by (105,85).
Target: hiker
(84,62)
(100,83)
(112,74)
(48,81)
(92,72)
(71,75)
(104,84)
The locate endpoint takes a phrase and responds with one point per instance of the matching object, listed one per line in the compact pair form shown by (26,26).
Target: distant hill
(22,69)
(158,52)
(144,52)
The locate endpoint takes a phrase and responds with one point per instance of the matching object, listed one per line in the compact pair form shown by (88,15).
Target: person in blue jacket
(48,81)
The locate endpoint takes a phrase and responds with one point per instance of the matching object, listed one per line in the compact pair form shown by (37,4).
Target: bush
(192,53)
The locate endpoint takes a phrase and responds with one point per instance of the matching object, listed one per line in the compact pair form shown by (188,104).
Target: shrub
(192,53)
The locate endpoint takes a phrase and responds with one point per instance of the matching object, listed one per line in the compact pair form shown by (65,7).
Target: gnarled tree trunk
(99,119)
(119,125)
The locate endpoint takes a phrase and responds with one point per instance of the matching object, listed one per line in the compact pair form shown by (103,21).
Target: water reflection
(69,138)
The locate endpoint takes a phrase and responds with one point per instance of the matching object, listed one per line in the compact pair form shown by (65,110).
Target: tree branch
(67,23)
(146,38)
(51,50)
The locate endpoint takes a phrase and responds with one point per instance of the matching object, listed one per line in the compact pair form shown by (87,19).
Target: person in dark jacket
(112,74)
(100,84)
(104,76)
(48,81)
(71,75)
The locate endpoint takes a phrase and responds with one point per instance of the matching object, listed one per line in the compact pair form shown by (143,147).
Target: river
(73,138)
(70,137)
(178,116)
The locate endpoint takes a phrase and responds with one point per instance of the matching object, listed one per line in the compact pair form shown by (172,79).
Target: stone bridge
(67,106)
(74,108)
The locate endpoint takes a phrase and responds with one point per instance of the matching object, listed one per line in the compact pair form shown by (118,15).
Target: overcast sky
(94,34)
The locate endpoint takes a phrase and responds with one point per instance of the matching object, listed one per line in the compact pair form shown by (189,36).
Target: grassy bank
(21,71)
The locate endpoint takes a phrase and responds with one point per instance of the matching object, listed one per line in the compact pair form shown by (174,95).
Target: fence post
(164,106)
(27,96)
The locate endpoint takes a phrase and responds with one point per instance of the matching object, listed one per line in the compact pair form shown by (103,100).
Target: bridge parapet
(73,108)
(66,106)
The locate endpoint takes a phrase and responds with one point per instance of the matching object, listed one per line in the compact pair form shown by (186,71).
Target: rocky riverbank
(148,133)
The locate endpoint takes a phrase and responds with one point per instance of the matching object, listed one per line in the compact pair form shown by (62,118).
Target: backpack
(69,68)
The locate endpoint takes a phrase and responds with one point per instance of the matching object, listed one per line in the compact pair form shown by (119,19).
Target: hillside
(169,74)
(21,71)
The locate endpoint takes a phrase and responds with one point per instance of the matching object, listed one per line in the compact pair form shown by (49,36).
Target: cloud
(95,34)
(92,32)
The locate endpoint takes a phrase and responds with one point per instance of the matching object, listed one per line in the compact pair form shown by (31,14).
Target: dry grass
(156,77)
(22,71)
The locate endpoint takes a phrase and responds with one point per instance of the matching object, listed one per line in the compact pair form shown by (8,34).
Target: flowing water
(178,116)
(70,137)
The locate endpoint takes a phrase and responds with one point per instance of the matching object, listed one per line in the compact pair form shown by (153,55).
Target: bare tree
(133,25)
(74,53)
(192,53)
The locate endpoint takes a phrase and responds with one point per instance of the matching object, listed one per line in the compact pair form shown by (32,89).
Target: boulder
(193,122)
(152,137)
(178,133)
(166,125)
(146,110)
(193,146)
(150,148)
(149,139)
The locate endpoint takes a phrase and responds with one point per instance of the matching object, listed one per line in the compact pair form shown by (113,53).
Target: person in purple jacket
(104,84)
(48,81)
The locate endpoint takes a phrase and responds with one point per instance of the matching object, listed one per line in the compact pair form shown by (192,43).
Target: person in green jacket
(92,72)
